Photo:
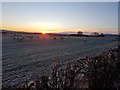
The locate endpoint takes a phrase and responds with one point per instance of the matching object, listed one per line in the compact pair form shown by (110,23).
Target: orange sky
(60,29)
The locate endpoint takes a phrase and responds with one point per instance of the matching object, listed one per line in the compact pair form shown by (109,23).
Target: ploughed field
(20,58)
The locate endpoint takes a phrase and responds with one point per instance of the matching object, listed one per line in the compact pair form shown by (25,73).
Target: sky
(57,17)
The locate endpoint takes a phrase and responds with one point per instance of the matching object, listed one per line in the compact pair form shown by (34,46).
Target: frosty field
(20,58)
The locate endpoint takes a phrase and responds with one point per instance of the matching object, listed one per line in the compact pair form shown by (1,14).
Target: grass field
(20,58)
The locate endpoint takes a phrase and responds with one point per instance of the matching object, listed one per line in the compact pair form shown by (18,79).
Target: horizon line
(69,32)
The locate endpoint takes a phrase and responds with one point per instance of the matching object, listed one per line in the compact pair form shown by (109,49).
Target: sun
(46,27)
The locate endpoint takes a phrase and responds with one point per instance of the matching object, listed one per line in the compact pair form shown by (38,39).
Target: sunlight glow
(46,27)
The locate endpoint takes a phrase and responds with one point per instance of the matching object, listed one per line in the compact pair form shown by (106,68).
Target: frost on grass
(99,71)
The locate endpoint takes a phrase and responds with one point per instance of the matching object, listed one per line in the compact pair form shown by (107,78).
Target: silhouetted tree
(102,35)
(80,33)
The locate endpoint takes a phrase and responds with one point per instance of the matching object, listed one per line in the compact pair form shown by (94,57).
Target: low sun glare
(46,27)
